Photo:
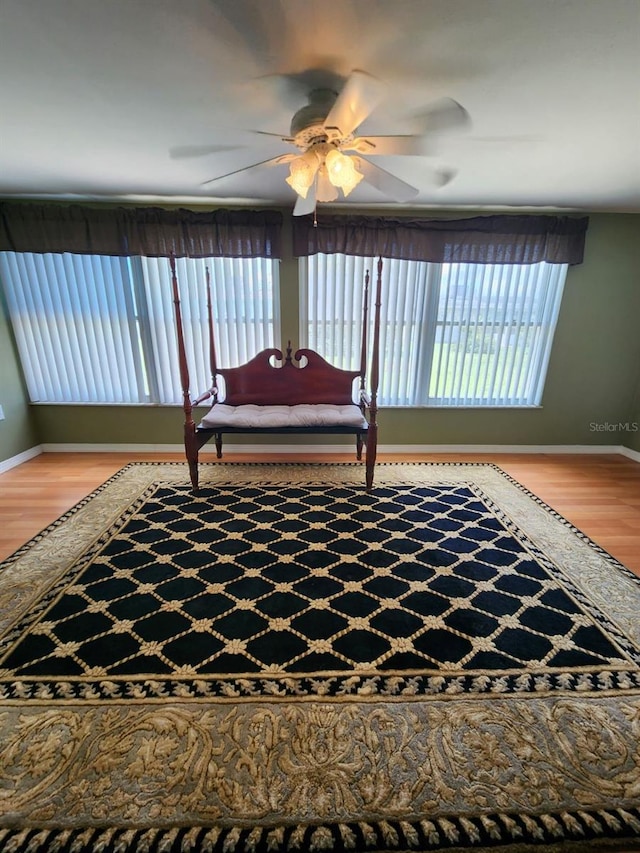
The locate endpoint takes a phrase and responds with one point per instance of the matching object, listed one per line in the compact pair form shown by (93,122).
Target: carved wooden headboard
(261,383)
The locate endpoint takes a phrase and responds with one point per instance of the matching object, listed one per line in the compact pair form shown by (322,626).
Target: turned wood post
(372,437)
(190,444)
(212,343)
(363,360)
(363,348)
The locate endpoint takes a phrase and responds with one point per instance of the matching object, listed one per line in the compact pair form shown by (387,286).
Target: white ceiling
(96,94)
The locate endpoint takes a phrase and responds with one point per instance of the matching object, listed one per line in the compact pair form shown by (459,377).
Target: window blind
(75,329)
(450,334)
(101,329)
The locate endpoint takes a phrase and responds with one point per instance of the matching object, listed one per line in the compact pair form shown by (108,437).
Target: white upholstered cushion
(302,415)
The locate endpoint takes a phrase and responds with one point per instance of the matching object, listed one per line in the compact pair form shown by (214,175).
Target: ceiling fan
(332,157)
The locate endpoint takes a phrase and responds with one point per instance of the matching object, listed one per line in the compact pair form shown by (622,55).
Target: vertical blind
(493,332)
(74,327)
(245,310)
(450,334)
(101,329)
(332,289)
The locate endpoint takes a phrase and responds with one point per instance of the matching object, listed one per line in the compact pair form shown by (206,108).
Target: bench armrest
(212,392)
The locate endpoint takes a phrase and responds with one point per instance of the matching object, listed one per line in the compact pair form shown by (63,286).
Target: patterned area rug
(285,662)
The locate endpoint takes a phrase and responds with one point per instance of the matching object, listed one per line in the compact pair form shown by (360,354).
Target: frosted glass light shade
(333,170)
(302,172)
(325,190)
(342,172)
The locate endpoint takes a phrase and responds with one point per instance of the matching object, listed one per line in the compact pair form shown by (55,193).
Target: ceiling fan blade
(360,95)
(444,115)
(183,152)
(384,145)
(507,139)
(283,137)
(292,88)
(272,161)
(443,176)
(306,205)
(384,181)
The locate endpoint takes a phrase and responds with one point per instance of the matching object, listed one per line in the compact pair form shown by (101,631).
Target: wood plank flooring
(599,494)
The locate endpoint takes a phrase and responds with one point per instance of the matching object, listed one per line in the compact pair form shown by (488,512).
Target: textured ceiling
(98,96)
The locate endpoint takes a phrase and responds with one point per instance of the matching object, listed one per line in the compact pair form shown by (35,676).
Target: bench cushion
(302,415)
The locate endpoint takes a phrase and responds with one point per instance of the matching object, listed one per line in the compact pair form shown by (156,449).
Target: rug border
(384,836)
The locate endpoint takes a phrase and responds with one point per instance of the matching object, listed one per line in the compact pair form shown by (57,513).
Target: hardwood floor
(599,494)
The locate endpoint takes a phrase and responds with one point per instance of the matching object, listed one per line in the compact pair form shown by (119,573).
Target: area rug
(285,662)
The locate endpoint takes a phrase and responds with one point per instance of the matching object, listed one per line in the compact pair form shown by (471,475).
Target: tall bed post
(190,443)
(372,434)
(213,365)
(363,350)
(363,360)
(212,344)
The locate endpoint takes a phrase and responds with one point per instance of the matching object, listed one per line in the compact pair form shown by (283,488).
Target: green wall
(593,372)
(596,354)
(17,430)
(632,438)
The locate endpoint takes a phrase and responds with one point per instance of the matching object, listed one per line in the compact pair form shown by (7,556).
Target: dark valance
(147,231)
(477,240)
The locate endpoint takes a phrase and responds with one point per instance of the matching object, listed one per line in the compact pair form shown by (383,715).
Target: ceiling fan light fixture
(342,172)
(332,169)
(302,173)
(325,190)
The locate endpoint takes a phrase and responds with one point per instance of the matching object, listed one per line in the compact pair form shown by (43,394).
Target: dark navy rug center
(307,580)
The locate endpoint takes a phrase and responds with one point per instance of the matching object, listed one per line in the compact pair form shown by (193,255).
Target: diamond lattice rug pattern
(285,662)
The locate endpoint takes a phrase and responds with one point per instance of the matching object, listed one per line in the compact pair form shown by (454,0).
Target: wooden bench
(304,394)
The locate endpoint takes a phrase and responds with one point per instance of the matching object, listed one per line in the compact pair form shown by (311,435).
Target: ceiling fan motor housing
(307,125)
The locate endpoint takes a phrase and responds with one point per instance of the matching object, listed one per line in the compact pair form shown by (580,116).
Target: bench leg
(218,441)
(191,451)
(370,457)
(193,473)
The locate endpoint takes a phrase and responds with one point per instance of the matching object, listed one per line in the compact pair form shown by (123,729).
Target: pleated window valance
(147,232)
(477,240)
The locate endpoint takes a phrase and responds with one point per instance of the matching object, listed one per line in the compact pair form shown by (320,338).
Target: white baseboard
(500,448)
(346,448)
(630,454)
(113,448)
(14,461)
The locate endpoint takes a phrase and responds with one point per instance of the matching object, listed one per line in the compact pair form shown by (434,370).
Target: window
(450,334)
(96,329)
